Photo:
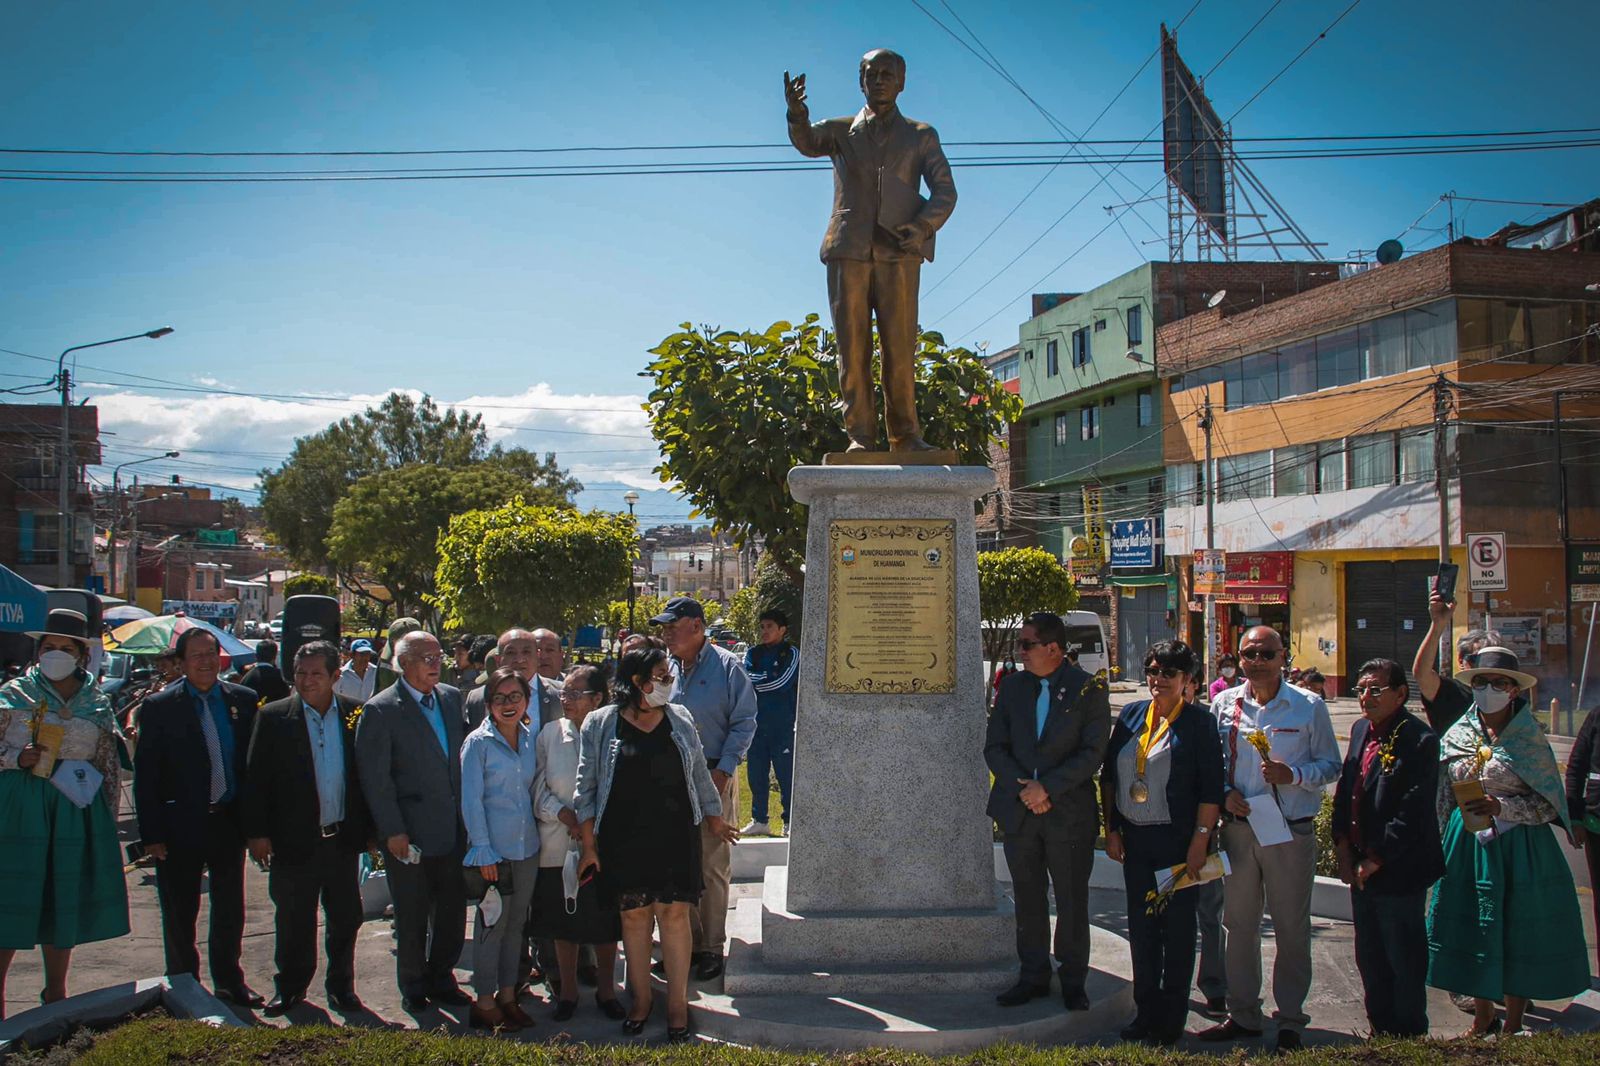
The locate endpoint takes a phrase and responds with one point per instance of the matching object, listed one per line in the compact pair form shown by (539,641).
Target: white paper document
(1268,823)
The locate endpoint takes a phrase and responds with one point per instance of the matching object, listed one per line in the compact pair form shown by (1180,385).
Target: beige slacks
(1281,878)
(709,921)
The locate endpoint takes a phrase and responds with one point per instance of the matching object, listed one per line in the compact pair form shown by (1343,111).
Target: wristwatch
(1203,830)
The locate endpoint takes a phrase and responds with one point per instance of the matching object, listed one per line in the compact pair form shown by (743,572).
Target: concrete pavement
(1335,1004)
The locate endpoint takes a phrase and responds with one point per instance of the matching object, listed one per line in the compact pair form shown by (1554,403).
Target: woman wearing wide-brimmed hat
(1505,921)
(61,872)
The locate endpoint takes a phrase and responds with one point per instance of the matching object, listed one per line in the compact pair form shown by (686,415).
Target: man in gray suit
(1046,738)
(880,232)
(408,744)
(518,651)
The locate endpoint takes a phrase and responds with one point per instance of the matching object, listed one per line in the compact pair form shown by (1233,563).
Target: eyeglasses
(1372,690)
(1029,645)
(1167,672)
(507,699)
(1259,655)
(427,660)
(573,695)
(661,680)
(1499,684)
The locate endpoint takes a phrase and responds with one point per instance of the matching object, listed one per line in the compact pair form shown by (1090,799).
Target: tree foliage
(743,615)
(644,609)
(298,498)
(309,585)
(388,524)
(733,412)
(1012,584)
(530,565)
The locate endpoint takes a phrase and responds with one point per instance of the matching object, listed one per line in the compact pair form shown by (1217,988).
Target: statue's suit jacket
(878,184)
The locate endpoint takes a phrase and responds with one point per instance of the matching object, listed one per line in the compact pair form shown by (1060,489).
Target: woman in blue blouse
(1162,792)
(498,765)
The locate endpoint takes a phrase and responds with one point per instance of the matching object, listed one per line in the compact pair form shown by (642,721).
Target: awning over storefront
(23,606)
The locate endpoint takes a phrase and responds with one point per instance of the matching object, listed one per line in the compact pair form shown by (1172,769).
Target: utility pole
(1441,487)
(1211,543)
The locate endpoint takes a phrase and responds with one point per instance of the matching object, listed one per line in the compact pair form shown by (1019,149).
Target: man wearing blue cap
(359,678)
(711,682)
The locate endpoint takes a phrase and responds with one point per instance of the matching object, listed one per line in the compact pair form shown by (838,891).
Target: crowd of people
(572,809)
(1441,828)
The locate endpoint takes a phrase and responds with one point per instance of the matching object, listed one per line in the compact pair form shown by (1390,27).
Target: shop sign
(1133,544)
(209,610)
(1486,562)
(1094,521)
(1522,635)
(1586,593)
(1583,565)
(1210,571)
(1085,570)
(1246,569)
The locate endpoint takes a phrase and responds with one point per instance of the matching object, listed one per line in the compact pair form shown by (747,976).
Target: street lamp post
(64,464)
(116,508)
(630,498)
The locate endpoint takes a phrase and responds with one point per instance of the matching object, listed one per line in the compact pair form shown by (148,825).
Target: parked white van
(1086,635)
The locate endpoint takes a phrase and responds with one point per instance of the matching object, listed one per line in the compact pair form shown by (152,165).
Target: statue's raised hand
(794,94)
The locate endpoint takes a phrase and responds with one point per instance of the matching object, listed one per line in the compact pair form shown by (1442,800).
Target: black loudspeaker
(306,618)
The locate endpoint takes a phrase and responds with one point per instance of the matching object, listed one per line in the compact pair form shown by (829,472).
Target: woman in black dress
(643,789)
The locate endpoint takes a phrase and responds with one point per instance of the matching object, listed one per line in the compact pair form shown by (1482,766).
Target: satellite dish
(1390,251)
(1217,297)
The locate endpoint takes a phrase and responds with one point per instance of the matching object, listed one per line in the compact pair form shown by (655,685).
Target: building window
(1338,359)
(1061,429)
(1294,470)
(1099,325)
(1008,369)
(1088,422)
(1052,359)
(1080,347)
(1245,477)
(1383,346)
(1330,467)
(1183,485)
(1416,456)
(1372,461)
(1147,406)
(1258,377)
(1431,334)
(200,580)
(1135,319)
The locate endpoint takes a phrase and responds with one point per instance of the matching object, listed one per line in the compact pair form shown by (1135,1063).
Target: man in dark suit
(1046,738)
(408,744)
(518,652)
(264,678)
(189,778)
(880,232)
(306,823)
(1386,833)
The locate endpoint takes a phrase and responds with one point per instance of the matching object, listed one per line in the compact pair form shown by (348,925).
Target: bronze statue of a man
(881,231)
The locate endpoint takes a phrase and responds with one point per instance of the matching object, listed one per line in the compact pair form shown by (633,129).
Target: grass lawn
(774,802)
(165,1040)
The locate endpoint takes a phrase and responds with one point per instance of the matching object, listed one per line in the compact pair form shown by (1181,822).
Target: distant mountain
(655,506)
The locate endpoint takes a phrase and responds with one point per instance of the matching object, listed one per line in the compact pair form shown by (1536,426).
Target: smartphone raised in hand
(1445,583)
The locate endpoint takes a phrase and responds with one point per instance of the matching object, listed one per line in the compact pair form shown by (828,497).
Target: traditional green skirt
(61,880)
(1504,919)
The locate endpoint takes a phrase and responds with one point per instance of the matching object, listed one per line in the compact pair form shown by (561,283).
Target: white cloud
(226,439)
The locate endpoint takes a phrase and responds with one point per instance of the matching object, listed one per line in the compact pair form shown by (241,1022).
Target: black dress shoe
(1077,999)
(1022,992)
(282,1004)
(1137,1031)
(415,1004)
(345,1001)
(1228,1030)
(565,1009)
(708,967)
(1216,1007)
(1289,1040)
(241,996)
(453,996)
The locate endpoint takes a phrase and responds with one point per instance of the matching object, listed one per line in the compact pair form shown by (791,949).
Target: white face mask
(658,696)
(1490,700)
(1228,671)
(58,665)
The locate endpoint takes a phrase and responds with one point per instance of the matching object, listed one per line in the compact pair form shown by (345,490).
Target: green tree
(744,615)
(387,525)
(531,565)
(309,585)
(298,498)
(1012,584)
(733,412)
(644,609)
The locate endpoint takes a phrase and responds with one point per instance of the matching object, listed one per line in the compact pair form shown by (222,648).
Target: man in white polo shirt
(1303,757)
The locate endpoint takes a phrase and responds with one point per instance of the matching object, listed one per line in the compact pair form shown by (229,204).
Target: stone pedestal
(890,881)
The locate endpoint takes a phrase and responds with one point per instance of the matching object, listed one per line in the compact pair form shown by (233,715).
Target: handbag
(478,886)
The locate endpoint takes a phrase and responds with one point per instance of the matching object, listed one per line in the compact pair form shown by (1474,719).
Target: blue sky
(540,297)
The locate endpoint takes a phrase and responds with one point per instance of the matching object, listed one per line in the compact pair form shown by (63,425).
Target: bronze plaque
(891,605)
